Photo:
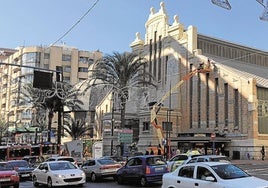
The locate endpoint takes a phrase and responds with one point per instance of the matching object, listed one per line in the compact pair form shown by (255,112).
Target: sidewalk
(246,162)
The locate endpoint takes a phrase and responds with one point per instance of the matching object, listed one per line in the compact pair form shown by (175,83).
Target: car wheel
(93,177)
(16,185)
(35,183)
(143,181)
(119,180)
(49,183)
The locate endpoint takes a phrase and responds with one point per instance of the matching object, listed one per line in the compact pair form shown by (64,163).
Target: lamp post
(112,125)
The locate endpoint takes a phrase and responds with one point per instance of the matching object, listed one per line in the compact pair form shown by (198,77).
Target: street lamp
(112,125)
(264,15)
(222,3)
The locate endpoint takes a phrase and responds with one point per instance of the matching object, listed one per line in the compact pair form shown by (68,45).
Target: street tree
(75,128)
(120,72)
(3,129)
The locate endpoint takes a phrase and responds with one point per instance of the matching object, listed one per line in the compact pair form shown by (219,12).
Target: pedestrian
(173,152)
(248,156)
(147,152)
(152,152)
(262,153)
(159,152)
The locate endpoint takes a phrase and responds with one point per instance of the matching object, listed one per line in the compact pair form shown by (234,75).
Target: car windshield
(5,167)
(179,158)
(106,161)
(19,164)
(66,159)
(157,160)
(220,159)
(229,171)
(61,166)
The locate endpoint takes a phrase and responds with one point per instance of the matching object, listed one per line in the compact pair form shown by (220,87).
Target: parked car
(8,176)
(58,173)
(22,167)
(33,161)
(62,158)
(100,168)
(179,159)
(208,158)
(212,175)
(143,169)
(118,159)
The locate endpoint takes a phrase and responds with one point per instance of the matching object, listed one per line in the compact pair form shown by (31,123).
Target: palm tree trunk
(50,116)
(123,113)
(59,125)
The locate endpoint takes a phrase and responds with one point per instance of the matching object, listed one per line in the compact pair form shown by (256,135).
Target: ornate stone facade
(231,100)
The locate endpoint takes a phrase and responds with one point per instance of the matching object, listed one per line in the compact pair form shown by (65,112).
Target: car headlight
(15,174)
(83,174)
(59,176)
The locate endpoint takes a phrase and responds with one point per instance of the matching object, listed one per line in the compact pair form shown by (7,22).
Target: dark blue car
(22,167)
(143,169)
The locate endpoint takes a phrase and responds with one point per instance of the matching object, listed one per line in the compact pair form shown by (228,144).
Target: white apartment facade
(73,63)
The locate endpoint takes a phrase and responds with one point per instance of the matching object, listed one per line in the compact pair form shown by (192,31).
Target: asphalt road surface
(258,170)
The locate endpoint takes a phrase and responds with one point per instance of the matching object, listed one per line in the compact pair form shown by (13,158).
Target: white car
(212,175)
(63,158)
(178,160)
(58,173)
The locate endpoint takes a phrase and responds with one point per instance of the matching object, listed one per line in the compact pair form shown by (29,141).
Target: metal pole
(168,126)
(112,124)
(38,68)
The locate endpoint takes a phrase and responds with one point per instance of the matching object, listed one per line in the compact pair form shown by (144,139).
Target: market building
(222,109)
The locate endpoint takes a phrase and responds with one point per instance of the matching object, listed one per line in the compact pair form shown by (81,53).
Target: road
(258,170)
(106,183)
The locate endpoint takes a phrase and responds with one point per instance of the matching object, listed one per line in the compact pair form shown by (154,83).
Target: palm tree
(75,128)
(3,129)
(120,72)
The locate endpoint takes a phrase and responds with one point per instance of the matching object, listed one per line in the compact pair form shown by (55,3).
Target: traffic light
(42,80)
(59,76)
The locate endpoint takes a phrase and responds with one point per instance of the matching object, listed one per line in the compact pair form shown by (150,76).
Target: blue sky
(111,25)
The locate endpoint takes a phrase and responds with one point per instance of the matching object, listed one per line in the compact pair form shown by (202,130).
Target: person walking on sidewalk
(262,153)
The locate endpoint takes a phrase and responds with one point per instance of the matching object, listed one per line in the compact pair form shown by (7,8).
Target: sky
(110,25)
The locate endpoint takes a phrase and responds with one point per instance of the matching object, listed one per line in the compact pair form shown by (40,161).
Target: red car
(8,176)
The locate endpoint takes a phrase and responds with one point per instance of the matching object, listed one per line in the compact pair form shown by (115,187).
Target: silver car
(100,168)
(58,173)
(208,158)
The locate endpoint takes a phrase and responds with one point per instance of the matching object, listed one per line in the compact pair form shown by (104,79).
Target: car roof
(56,162)
(15,161)
(206,163)
(146,156)
(60,157)
(212,156)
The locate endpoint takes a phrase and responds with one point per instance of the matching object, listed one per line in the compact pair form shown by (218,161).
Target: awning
(200,139)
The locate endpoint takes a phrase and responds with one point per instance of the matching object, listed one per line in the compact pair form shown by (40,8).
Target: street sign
(125,136)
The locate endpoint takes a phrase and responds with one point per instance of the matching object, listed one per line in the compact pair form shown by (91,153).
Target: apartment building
(16,71)
(224,108)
